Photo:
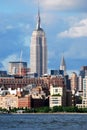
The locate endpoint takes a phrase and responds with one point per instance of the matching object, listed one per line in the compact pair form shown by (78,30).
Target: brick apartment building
(20,82)
(24,102)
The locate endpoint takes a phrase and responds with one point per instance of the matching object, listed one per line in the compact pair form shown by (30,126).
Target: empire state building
(38,50)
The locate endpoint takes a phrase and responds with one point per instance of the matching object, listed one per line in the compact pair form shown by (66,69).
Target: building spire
(38,18)
(62,61)
(63,65)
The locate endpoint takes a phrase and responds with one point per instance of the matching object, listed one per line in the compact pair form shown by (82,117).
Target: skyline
(65,25)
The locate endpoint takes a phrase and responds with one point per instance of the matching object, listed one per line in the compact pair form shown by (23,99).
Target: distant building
(83,71)
(34,99)
(25,71)
(67,82)
(84,100)
(80,83)
(32,75)
(63,65)
(54,72)
(21,82)
(8,101)
(57,96)
(74,81)
(32,92)
(38,50)
(84,94)
(68,98)
(82,74)
(17,68)
(24,102)
(35,103)
(3,73)
(39,98)
(61,72)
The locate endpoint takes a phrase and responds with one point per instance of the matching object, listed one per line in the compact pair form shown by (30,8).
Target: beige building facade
(57,96)
(8,101)
(74,81)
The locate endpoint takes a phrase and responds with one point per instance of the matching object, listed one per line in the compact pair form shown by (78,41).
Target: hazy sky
(65,25)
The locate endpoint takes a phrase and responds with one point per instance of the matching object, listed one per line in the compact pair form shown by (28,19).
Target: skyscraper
(74,81)
(38,50)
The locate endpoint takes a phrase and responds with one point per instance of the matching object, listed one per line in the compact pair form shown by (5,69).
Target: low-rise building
(68,98)
(24,102)
(57,96)
(8,101)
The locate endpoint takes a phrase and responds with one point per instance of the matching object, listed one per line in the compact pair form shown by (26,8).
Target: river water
(43,121)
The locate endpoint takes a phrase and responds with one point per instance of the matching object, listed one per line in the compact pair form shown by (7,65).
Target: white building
(14,68)
(84,95)
(80,83)
(38,50)
(57,96)
(84,100)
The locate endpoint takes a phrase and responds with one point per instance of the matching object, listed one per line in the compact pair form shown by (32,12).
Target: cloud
(24,27)
(25,5)
(48,19)
(9,27)
(78,30)
(64,4)
(77,50)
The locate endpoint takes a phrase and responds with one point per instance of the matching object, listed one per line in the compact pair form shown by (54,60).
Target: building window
(56,90)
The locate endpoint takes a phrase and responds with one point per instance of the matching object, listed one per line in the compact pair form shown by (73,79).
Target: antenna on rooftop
(20,64)
(21,56)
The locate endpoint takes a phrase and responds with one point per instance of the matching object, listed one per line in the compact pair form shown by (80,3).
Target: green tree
(57,109)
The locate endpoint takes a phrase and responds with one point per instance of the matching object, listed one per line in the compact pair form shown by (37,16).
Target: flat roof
(17,62)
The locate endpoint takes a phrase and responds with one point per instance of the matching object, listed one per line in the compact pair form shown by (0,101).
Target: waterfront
(43,121)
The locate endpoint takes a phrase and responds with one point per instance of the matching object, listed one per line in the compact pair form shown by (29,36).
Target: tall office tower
(63,65)
(38,50)
(82,74)
(80,83)
(83,71)
(74,81)
(84,100)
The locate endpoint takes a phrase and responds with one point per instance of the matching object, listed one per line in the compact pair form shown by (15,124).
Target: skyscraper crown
(62,62)
(63,65)
(38,27)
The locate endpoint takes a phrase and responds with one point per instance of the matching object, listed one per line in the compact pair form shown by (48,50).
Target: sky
(65,25)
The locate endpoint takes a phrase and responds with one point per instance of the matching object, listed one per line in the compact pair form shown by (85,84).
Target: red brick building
(20,82)
(24,102)
(30,102)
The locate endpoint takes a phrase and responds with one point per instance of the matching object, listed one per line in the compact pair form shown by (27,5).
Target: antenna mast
(20,64)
